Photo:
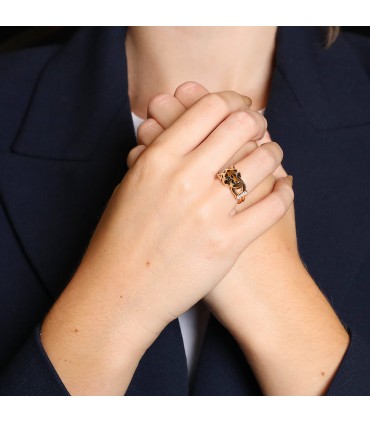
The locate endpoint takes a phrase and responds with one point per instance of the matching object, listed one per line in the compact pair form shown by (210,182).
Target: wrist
(267,303)
(286,328)
(94,338)
(253,287)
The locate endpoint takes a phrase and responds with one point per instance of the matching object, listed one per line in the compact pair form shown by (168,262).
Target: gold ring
(231,178)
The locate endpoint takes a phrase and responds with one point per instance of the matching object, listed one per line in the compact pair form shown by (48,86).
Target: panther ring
(231,178)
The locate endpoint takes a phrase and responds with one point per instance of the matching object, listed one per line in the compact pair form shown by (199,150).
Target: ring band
(231,178)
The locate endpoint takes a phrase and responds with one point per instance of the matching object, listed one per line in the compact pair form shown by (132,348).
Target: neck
(159,59)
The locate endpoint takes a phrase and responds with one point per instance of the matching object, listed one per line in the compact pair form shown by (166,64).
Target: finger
(189,93)
(165,109)
(253,169)
(246,149)
(199,121)
(280,171)
(248,225)
(164,113)
(235,131)
(134,154)
(263,189)
(148,131)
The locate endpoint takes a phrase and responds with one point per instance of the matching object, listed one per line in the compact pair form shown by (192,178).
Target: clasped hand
(286,328)
(163,111)
(172,234)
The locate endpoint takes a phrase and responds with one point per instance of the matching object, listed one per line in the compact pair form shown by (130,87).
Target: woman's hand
(169,234)
(165,109)
(268,301)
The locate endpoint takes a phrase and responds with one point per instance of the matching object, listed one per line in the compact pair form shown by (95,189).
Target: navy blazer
(65,132)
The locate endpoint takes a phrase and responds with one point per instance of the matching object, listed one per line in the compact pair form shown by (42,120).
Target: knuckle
(157,101)
(278,149)
(133,154)
(143,138)
(245,119)
(265,124)
(183,184)
(151,157)
(144,127)
(249,121)
(266,158)
(203,214)
(215,102)
(141,132)
(278,205)
(217,241)
(261,125)
(290,191)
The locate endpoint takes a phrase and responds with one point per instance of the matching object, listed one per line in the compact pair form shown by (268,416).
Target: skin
(112,310)
(135,278)
(159,59)
(286,328)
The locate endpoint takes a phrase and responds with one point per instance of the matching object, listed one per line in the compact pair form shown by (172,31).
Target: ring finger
(253,168)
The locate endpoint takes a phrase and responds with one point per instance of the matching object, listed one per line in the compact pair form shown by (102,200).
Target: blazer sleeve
(30,371)
(353,374)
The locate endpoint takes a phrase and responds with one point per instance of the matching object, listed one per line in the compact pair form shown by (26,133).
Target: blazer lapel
(67,158)
(76,96)
(65,162)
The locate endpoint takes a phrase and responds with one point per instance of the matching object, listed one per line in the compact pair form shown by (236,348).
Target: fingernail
(247,100)
(289,178)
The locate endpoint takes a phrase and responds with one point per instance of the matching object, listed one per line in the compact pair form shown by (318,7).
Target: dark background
(16,37)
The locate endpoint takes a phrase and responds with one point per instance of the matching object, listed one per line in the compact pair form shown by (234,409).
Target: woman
(130,257)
